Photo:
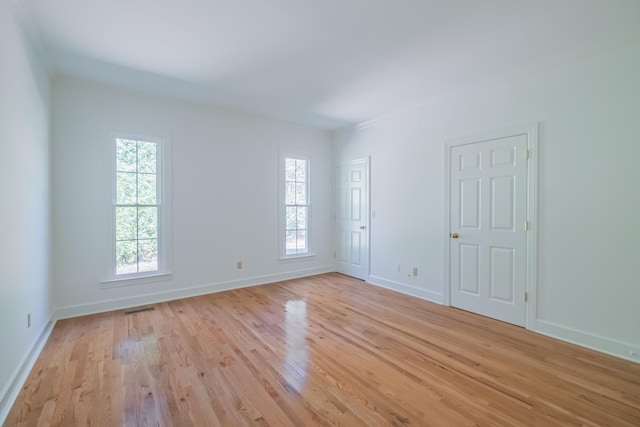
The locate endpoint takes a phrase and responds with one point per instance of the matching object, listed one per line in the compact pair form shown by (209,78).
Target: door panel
(469,268)
(343,246)
(356,198)
(356,248)
(352,219)
(502,271)
(503,157)
(470,204)
(488,208)
(502,203)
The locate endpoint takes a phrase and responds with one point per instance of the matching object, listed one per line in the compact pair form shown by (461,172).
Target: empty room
(332,213)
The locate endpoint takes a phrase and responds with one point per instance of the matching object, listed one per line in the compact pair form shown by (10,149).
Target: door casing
(531,131)
(365,214)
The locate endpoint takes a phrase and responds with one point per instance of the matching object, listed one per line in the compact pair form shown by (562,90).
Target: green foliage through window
(296,205)
(136,206)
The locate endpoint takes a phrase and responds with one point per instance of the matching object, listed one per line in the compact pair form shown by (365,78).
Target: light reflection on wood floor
(326,350)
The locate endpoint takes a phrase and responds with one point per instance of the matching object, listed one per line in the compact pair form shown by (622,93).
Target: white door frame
(367,213)
(531,131)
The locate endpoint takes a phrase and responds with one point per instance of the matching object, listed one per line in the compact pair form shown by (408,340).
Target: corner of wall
(19,376)
(133,301)
(588,340)
(407,290)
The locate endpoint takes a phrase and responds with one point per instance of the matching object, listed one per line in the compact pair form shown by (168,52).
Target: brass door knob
(362,227)
(454,235)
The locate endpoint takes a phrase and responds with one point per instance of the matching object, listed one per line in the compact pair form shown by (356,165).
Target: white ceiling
(324,63)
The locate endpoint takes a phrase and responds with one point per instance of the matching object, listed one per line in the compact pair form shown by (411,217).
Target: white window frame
(163,190)
(282,229)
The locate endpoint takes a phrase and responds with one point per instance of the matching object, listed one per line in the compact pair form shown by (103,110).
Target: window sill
(294,258)
(135,280)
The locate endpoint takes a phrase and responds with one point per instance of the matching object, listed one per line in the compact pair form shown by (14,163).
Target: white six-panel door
(352,219)
(488,227)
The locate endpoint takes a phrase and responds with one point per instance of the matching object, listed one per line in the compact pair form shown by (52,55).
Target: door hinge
(526,296)
(527,154)
(526,226)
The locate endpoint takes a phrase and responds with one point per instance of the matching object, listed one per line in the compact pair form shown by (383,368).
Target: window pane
(147,157)
(301,194)
(148,255)
(301,219)
(290,242)
(301,241)
(126,188)
(301,170)
(290,218)
(126,228)
(136,206)
(126,257)
(125,155)
(290,193)
(148,223)
(296,209)
(290,169)
(147,189)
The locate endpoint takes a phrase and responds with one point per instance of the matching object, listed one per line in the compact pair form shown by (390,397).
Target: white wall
(225,195)
(589,191)
(24,194)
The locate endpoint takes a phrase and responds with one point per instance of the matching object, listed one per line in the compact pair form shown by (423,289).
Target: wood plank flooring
(326,350)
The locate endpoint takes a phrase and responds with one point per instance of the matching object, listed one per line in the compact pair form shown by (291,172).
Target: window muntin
(296,206)
(136,207)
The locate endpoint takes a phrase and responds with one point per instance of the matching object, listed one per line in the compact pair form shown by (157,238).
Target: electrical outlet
(397,266)
(239,265)
(28,320)
(415,271)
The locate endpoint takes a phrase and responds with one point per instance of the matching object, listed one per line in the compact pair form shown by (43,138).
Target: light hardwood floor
(326,350)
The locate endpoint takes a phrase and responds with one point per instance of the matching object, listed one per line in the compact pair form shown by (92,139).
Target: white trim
(20,374)
(164,194)
(446,292)
(142,278)
(298,257)
(367,165)
(588,340)
(282,252)
(424,294)
(531,287)
(155,297)
(534,226)
(369,123)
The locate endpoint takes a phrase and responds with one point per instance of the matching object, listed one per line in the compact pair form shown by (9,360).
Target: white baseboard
(152,298)
(591,341)
(10,393)
(406,289)
(588,340)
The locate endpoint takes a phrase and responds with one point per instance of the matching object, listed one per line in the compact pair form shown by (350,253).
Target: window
(137,208)
(295,206)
